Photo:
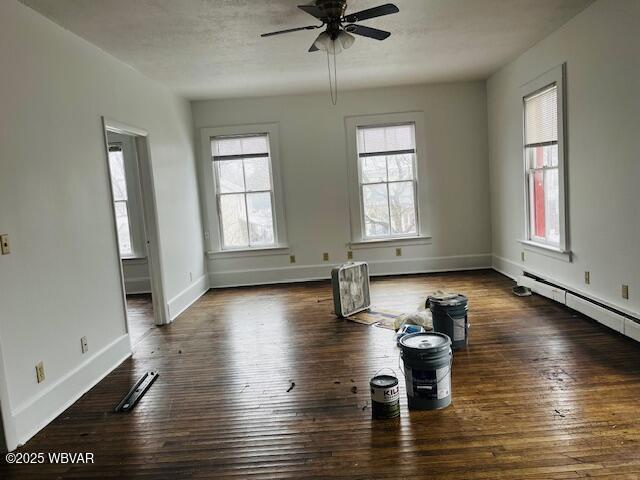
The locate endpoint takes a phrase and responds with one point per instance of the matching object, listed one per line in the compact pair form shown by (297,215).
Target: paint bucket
(449,313)
(427,359)
(385,396)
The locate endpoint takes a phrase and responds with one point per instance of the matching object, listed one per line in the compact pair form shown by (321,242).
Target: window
(244,191)
(544,160)
(120,198)
(387,180)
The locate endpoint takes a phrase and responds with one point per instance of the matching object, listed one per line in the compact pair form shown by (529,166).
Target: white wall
(61,281)
(314,170)
(601,47)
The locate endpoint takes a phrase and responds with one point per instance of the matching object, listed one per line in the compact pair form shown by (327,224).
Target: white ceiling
(212,48)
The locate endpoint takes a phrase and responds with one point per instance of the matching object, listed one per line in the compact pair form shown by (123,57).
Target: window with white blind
(244,191)
(544,161)
(388,181)
(120,198)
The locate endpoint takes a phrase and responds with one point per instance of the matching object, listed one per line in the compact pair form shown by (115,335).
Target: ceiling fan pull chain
(333,84)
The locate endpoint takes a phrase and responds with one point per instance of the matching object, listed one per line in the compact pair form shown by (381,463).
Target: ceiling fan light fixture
(327,44)
(345,39)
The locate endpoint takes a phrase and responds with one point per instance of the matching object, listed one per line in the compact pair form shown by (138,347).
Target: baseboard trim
(135,285)
(308,273)
(36,413)
(187,297)
(506,267)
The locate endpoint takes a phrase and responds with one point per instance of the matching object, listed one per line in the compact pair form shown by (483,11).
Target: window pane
(257,144)
(376,210)
(541,116)
(122,224)
(552,205)
(240,145)
(118,179)
(226,146)
(373,169)
(234,221)
(385,138)
(538,157)
(230,176)
(260,218)
(400,167)
(538,204)
(256,171)
(402,208)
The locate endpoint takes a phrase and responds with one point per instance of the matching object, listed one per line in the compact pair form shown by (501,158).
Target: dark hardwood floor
(140,316)
(541,393)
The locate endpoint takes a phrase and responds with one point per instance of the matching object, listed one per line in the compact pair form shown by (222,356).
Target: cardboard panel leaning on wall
(61,280)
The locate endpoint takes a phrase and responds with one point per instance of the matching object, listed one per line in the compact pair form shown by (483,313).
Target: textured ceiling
(211,48)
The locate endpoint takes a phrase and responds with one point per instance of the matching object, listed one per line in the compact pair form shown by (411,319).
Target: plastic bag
(419,317)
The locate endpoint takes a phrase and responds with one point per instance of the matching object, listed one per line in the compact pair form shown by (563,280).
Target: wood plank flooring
(140,316)
(541,393)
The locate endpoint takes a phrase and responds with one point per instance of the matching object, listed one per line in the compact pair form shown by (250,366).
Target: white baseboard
(187,297)
(307,273)
(591,310)
(506,267)
(37,412)
(136,285)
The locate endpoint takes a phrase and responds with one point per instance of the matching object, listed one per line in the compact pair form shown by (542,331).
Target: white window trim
(562,251)
(352,123)
(213,234)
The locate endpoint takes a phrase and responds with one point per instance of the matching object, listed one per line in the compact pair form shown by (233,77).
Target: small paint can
(385,396)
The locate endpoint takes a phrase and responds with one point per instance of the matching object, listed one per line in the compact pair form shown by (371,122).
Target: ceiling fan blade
(367,31)
(289,30)
(312,10)
(386,9)
(313,47)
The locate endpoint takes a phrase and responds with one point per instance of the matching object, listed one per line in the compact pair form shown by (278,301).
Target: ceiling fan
(337,36)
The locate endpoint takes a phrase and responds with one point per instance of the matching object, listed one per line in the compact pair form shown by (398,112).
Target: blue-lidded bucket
(427,359)
(450,316)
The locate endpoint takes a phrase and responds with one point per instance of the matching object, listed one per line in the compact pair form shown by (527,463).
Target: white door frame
(150,214)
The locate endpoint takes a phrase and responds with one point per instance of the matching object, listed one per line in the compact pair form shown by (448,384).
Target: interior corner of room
(181,200)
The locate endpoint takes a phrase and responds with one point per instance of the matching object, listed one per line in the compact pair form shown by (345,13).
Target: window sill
(134,260)
(547,250)
(248,252)
(391,242)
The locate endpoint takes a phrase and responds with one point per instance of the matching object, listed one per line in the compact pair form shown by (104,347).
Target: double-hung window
(120,198)
(244,191)
(387,180)
(544,161)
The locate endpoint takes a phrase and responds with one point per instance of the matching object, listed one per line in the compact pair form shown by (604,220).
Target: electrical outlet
(4,244)
(292,259)
(40,372)
(84,344)
(587,278)
(325,257)
(625,292)
(522,256)
(206,235)
(349,255)
(398,252)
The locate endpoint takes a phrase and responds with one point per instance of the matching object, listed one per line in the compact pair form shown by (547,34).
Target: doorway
(135,219)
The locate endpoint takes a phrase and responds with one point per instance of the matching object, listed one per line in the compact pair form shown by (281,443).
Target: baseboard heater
(604,314)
